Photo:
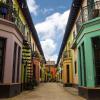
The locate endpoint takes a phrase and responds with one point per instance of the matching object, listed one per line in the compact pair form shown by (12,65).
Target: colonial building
(18,41)
(84,21)
(61,74)
(59,71)
(67,56)
(50,71)
(88,47)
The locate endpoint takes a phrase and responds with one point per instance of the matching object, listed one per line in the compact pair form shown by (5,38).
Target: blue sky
(50,20)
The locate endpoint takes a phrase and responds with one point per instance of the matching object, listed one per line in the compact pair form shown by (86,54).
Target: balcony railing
(9,13)
(67,54)
(87,13)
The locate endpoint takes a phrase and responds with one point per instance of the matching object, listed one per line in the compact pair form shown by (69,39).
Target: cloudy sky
(50,20)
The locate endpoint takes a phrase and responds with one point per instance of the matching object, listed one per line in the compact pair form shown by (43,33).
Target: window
(2,55)
(14,62)
(68,74)
(75,63)
(80,65)
(18,63)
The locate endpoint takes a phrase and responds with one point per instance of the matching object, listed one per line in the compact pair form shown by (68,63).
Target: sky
(50,20)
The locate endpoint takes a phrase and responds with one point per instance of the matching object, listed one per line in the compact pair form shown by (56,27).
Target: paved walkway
(47,91)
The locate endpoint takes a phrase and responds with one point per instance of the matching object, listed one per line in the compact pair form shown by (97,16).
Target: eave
(76,5)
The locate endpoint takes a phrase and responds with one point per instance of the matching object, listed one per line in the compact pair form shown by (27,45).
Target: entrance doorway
(68,74)
(2,55)
(96,48)
(34,71)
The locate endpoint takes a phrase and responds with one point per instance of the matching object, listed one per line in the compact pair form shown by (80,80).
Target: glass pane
(1,44)
(0,52)
(0,61)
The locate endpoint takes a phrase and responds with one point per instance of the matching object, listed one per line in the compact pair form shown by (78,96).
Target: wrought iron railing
(87,13)
(9,13)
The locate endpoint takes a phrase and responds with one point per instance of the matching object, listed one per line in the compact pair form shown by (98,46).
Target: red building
(50,71)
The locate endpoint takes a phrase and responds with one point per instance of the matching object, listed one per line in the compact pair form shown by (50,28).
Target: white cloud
(49,46)
(33,7)
(50,31)
(53,24)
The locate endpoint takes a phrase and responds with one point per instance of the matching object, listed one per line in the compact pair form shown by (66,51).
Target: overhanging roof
(25,10)
(76,5)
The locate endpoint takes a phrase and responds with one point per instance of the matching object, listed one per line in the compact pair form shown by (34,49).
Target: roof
(25,10)
(76,5)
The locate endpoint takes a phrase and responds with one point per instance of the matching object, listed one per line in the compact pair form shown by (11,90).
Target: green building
(88,45)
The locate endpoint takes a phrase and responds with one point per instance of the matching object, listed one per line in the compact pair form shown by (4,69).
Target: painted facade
(50,71)
(18,42)
(69,62)
(84,25)
(74,56)
(88,44)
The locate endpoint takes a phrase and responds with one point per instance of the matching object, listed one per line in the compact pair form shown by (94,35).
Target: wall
(10,32)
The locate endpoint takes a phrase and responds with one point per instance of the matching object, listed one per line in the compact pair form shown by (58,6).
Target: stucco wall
(11,34)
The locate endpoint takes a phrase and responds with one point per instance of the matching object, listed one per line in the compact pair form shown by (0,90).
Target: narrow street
(47,91)
(49,50)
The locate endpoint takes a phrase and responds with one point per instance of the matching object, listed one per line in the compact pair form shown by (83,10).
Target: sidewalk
(72,90)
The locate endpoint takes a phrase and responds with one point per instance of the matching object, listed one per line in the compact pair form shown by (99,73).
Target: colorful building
(18,41)
(84,23)
(88,45)
(67,57)
(59,71)
(50,71)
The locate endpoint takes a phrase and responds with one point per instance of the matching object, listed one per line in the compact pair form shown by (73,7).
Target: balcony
(88,13)
(67,54)
(9,13)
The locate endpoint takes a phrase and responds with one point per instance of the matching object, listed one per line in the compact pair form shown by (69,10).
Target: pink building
(14,33)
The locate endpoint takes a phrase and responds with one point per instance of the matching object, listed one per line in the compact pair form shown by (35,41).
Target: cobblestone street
(47,91)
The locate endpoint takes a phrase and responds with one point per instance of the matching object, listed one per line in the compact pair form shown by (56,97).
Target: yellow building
(67,62)
(75,59)
(68,56)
